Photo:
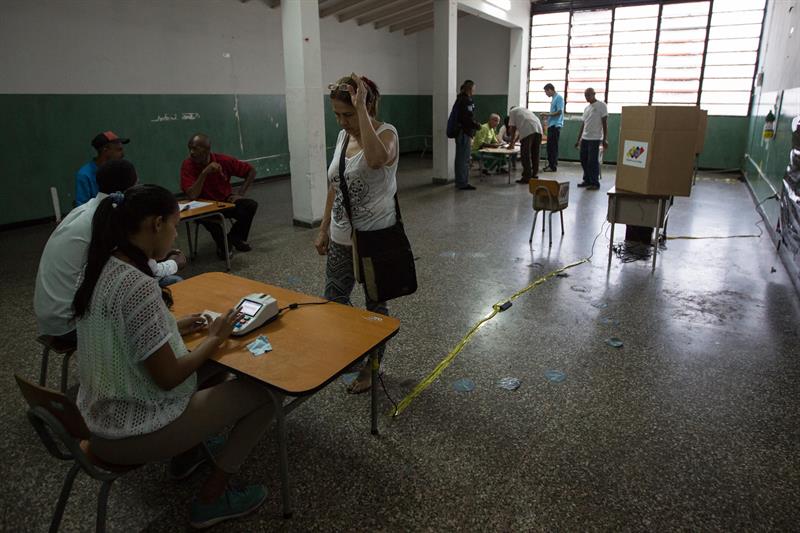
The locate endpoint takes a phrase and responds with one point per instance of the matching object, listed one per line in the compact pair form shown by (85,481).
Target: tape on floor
(496,308)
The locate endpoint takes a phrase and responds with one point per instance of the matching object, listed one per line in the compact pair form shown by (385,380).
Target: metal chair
(59,346)
(62,430)
(548,195)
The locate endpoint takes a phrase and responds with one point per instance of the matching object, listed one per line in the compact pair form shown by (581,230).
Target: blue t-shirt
(86,183)
(556,104)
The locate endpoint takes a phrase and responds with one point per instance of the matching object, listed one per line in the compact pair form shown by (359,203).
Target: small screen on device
(250,307)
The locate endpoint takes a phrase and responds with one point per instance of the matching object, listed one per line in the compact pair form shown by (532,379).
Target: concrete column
(304,110)
(445,46)
(517,68)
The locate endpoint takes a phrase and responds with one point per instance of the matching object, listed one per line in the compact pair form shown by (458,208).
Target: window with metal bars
(688,53)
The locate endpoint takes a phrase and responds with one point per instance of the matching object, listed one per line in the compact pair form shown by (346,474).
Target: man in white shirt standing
(64,256)
(529,126)
(594,131)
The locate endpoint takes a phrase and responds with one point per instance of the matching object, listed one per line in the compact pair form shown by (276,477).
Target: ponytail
(117,218)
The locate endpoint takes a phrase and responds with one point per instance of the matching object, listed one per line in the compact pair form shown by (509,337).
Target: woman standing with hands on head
(371,154)
(138,390)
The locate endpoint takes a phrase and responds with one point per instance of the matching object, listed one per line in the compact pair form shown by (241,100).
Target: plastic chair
(66,349)
(551,196)
(62,430)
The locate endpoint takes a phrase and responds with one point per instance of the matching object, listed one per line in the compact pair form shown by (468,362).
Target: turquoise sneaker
(233,503)
(184,465)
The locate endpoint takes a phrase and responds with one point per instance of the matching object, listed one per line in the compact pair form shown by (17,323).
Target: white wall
(179,47)
(779,54)
(483,54)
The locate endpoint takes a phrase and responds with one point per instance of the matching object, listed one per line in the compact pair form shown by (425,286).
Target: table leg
(375,365)
(613,221)
(283,459)
(189,238)
(509,169)
(225,241)
(655,236)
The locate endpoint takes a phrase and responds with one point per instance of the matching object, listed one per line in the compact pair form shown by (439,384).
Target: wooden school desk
(311,345)
(213,209)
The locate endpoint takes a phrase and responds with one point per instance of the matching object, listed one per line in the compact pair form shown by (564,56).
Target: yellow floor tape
(496,308)
(714,237)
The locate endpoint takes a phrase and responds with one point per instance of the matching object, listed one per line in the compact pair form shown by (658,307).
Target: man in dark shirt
(208,175)
(467,127)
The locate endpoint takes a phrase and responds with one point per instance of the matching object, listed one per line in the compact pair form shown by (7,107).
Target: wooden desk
(312,345)
(625,207)
(508,153)
(214,209)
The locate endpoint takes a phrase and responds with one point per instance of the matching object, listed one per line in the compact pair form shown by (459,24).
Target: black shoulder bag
(382,259)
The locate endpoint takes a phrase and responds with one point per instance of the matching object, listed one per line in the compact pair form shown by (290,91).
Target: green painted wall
(725,141)
(49,136)
(771,156)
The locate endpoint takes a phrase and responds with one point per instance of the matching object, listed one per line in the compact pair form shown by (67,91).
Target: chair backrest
(57,405)
(550,195)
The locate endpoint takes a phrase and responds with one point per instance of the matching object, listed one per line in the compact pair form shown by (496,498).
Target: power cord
(386,392)
(296,305)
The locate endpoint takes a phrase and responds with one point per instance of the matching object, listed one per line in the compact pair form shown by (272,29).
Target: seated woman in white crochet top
(138,380)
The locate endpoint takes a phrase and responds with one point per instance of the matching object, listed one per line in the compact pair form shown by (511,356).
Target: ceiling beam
(405,15)
(334,8)
(411,22)
(360,9)
(418,28)
(389,8)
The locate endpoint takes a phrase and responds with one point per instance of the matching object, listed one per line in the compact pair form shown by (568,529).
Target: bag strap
(346,192)
(343,182)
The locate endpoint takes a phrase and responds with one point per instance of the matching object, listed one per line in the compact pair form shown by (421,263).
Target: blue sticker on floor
(349,378)
(509,383)
(464,385)
(614,342)
(599,305)
(579,288)
(609,321)
(449,255)
(555,376)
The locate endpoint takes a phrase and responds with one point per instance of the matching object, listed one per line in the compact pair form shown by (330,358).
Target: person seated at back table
(487,138)
(207,175)
(504,136)
(64,256)
(109,148)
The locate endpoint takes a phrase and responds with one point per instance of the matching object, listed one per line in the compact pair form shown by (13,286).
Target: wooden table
(648,210)
(508,153)
(214,209)
(311,345)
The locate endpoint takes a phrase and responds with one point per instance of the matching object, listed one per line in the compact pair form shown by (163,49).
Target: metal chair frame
(67,352)
(551,201)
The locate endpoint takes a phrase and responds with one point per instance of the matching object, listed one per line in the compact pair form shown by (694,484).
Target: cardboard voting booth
(657,148)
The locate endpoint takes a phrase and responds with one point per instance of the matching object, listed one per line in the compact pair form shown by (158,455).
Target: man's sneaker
(183,465)
(233,503)
(466,188)
(523,181)
(242,246)
(583,184)
(548,169)
(592,187)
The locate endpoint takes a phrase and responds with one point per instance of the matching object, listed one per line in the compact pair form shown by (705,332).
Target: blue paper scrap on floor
(509,383)
(464,385)
(555,376)
(614,342)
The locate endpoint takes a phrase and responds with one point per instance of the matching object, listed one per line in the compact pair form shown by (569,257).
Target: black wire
(296,305)
(591,252)
(386,392)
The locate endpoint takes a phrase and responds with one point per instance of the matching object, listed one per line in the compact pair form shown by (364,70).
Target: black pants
(529,153)
(553,133)
(243,213)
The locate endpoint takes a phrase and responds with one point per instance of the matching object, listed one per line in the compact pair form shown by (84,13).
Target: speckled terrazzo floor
(692,424)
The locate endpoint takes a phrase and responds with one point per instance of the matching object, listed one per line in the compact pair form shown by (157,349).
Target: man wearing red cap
(109,148)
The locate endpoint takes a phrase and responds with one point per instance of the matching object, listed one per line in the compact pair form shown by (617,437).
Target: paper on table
(194,204)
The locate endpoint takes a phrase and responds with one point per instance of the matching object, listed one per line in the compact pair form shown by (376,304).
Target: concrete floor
(692,424)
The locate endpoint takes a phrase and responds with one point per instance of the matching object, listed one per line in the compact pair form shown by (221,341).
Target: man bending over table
(207,175)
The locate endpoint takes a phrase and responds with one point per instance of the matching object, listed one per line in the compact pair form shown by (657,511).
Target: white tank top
(371,191)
